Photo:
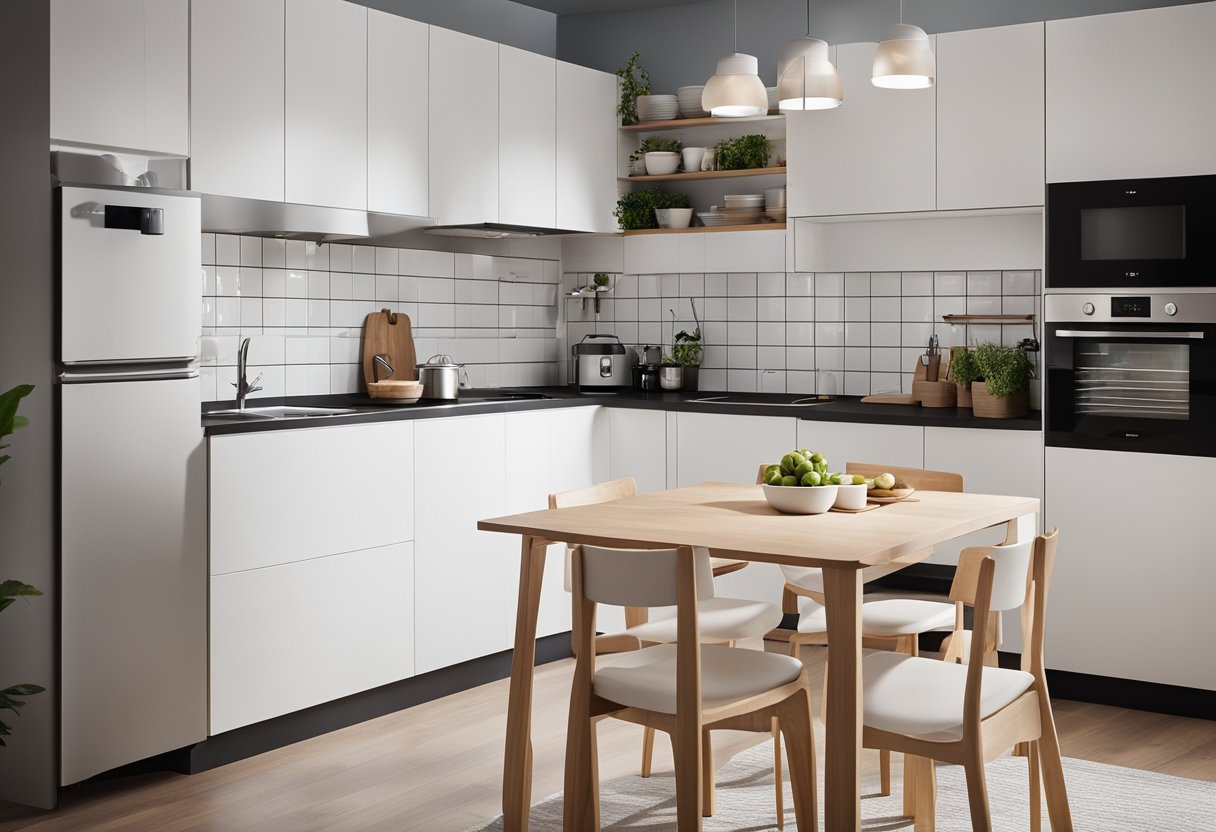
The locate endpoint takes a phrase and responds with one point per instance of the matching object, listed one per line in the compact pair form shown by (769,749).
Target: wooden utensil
(935,393)
(889,398)
(885,495)
(868,507)
(389,334)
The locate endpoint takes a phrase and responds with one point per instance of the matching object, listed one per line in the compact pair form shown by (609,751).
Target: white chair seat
(889,617)
(923,698)
(720,619)
(647,678)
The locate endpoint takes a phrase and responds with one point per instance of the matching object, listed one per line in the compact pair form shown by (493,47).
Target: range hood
(497,231)
(293,221)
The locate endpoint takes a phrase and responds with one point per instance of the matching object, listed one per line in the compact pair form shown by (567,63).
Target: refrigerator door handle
(85,377)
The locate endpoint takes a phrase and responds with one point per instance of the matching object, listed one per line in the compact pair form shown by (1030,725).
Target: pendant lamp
(904,60)
(806,79)
(735,90)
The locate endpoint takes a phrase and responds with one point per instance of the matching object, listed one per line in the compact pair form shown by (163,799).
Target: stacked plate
(690,101)
(713,218)
(744,202)
(657,107)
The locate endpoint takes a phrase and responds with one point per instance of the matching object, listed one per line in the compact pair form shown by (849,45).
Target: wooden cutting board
(889,398)
(389,334)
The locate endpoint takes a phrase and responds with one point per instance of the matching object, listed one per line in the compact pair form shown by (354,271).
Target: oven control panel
(1171,307)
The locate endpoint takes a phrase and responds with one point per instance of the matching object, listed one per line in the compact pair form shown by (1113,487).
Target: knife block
(930,372)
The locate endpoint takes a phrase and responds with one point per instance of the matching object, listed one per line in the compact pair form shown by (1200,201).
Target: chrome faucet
(242,384)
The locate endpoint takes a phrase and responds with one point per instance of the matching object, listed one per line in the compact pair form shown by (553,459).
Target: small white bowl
(673,217)
(662,162)
(852,497)
(792,499)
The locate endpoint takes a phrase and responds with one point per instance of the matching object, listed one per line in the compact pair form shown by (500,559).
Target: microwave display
(1155,232)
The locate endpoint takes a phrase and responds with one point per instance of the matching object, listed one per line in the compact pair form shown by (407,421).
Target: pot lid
(441,361)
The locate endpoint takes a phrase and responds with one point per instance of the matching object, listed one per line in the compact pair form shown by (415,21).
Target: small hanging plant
(631,87)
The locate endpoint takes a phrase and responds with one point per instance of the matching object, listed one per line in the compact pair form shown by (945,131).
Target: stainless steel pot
(671,377)
(442,378)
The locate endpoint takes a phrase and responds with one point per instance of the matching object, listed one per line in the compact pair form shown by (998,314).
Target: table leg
(842,757)
(517,761)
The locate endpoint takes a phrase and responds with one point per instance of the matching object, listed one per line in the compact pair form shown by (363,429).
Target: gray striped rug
(1103,799)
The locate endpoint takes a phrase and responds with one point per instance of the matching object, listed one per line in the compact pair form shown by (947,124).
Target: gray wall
(680,44)
(29,765)
(499,20)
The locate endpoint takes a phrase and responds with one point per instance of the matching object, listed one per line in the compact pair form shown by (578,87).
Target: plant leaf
(22,690)
(9,401)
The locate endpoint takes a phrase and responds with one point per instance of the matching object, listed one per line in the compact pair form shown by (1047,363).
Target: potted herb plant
(635,210)
(1003,391)
(687,349)
(743,153)
(963,371)
(12,697)
(660,156)
(632,85)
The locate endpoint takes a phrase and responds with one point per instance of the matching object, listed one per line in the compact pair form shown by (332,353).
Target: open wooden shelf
(702,229)
(989,319)
(706,174)
(681,123)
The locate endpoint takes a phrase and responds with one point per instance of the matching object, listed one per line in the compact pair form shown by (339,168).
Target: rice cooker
(601,364)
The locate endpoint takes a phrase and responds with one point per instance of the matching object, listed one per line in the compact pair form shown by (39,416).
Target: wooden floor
(437,767)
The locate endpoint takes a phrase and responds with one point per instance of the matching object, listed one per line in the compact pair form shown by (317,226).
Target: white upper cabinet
(326,103)
(876,154)
(463,128)
(586,149)
(398,51)
(990,117)
(119,73)
(1130,95)
(236,98)
(527,137)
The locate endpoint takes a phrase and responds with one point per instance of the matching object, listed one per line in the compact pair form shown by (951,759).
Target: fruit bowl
(795,499)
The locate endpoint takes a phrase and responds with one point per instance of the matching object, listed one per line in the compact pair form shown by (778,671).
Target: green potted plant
(1003,391)
(963,371)
(687,349)
(632,85)
(743,153)
(12,697)
(635,210)
(654,165)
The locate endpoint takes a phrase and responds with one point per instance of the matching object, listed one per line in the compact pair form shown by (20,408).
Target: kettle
(442,378)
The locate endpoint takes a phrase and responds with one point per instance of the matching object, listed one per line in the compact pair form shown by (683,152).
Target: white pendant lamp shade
(806,78)
(904,60)
(735,90)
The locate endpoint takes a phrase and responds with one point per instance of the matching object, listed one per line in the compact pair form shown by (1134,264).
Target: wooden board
(889,398)
(389,334)
(867,507)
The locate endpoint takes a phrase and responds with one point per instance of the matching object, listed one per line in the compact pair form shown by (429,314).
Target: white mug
(692,158)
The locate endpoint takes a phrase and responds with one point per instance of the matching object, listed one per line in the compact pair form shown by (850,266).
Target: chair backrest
(602,492)
(1011,565)
(640,577)
(1042,564)
(918,478)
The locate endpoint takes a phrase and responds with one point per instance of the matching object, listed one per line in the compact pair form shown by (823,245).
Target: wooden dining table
(735,521)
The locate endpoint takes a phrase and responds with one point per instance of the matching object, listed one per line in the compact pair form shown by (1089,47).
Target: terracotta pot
(964,395)
(991,407)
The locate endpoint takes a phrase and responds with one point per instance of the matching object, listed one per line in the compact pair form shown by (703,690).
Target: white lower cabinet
(727,448)
(1134,572)
(291,636)
(638,447)
(901,446)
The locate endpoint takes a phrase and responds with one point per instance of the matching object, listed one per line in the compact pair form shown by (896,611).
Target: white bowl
(792,499)
(662,162)
(851,496)
(690,101)
(657,107)
(673,217)
(774,198)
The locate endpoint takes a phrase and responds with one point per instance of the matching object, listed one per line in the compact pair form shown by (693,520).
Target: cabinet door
(97,71)
(986,79)
(1112,116)
(586,149)
(167,76)
(876,154)
(844,442)
(465,580)
(236,98)
(398,57)
(288,495)
(292,636)
(638,447)
(527,137)
(726,448)
(463,128)
(1133,579)
(326,103)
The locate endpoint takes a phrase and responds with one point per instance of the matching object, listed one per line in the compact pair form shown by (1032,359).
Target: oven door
(1131,387)
(1123,234)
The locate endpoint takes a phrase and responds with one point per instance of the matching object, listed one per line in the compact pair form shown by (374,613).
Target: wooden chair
(967,715)
(685,689)
(721,620)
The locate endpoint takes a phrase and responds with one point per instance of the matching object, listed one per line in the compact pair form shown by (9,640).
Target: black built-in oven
(1132,234)
(1131,372)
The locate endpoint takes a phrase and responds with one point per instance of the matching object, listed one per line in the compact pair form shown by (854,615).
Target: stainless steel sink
(251,414)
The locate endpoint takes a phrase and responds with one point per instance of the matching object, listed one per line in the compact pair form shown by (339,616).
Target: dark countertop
(841,409)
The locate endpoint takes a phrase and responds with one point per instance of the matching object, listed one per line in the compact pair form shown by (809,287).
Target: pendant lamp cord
(736,49)
(901,11)
(808,17)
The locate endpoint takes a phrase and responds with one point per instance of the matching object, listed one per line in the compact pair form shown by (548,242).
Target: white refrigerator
(133,478)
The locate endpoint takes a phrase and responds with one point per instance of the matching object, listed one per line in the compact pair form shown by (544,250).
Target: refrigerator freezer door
(134,573)
(131,275)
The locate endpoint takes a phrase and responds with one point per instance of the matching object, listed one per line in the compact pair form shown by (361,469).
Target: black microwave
(1123,234)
